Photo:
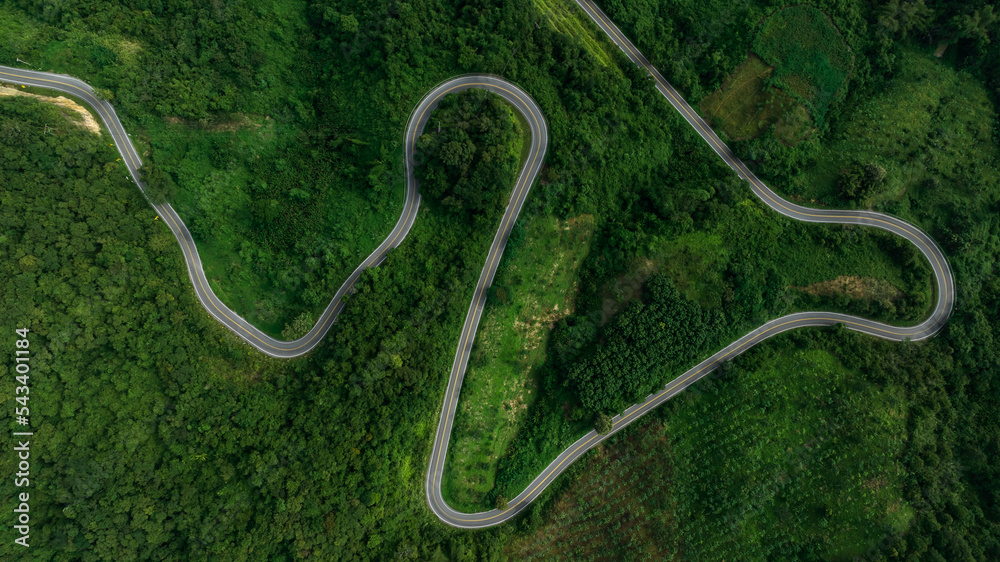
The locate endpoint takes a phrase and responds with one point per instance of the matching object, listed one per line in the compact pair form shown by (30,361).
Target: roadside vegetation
(932,133)
(205,449)
(276,234)
(284,189)
(621,505)
(635,331)
(798,65)
(565,19)
(787,453)
(535,287)
(812,62)
(472,158)
(746,105)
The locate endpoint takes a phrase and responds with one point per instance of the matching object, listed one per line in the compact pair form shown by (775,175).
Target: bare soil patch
(86,119)
(864,288)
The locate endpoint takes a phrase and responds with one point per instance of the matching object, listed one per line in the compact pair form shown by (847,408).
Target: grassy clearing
(745,106)
(867,288)
(695,261)
(621,506)
(811,60)
(791,454)
(702,265)
(808,254)
(562,19)
(799,65)
(930,130)
(536,288)
(74,112)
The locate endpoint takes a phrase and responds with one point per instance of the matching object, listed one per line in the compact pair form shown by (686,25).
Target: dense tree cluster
(470,147)
(603,424)
(861,181)
(646,344)
(173,58)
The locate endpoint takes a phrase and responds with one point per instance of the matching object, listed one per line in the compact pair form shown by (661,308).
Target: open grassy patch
(811,60)
(930,130)
(535,288)
(789,455)
(557,13)
(74,112)
(800,254)
(798,66)
(694,261)
(712,267)
(745,105)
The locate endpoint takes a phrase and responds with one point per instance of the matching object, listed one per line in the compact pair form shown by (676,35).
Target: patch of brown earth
(876,484)
(863,288)
(86,120)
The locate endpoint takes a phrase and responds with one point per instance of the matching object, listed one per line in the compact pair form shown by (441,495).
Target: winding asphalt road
(539,142)
(215,307)
(930,326)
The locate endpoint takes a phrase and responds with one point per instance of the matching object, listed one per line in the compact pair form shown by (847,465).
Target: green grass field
(538,288)
(930,130)
(811,60)
(745,106)
(798,66)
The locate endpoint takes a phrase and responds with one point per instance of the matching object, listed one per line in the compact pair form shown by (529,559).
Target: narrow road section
(411,202)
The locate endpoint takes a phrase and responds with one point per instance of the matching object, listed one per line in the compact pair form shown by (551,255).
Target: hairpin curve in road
(539,142)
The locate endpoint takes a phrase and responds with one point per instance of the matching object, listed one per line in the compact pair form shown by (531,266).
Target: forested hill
(159,435)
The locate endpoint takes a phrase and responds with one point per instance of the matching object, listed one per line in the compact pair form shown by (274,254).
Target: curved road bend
(937,319)
(930,326)
(215,307)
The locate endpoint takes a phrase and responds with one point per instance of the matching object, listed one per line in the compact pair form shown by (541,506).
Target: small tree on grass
(603,424)
(861,182)
(501,502)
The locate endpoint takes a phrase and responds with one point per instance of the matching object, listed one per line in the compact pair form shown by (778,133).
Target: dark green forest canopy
(647,338)
(470,151)
(167,437)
